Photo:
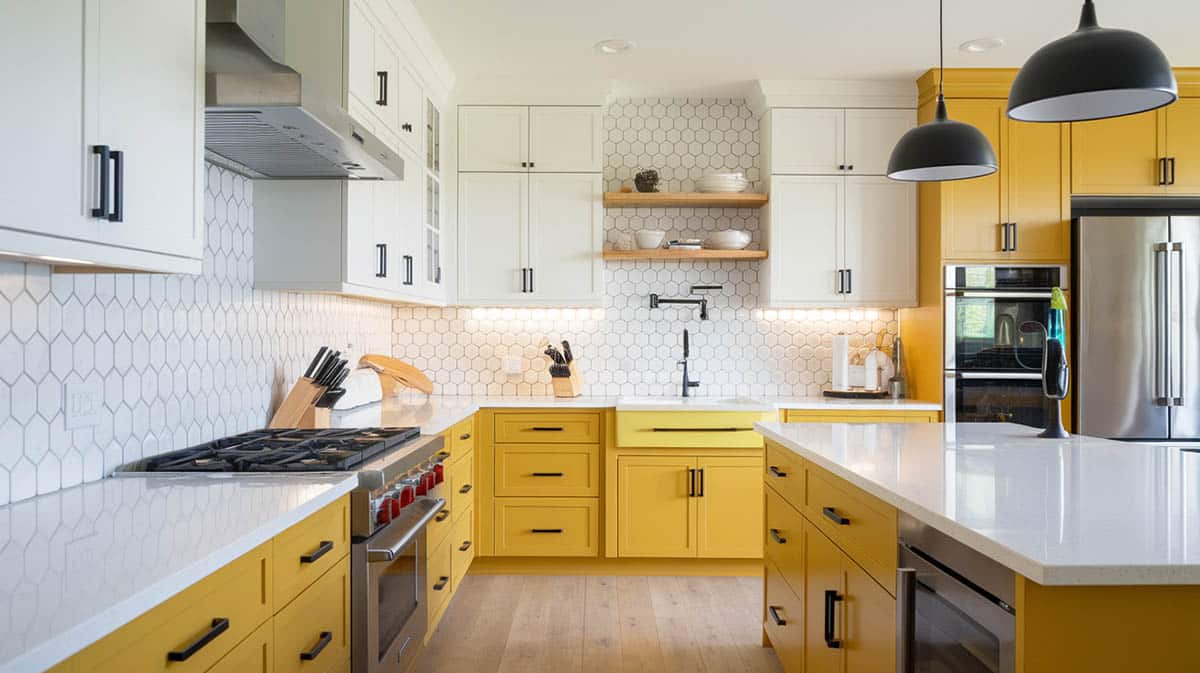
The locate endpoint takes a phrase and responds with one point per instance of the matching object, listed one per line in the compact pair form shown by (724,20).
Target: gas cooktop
(284,450)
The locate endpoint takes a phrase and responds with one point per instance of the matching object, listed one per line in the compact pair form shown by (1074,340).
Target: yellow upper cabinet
(1183,146)
(1156,152)
(973,210)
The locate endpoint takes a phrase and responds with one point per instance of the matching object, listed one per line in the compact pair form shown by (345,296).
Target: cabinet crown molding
(816,93)
(995,83)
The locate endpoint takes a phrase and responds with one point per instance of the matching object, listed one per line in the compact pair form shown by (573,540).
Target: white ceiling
(712,47)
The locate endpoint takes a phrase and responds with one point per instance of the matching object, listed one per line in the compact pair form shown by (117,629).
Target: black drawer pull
(326,638)
(102,186)
(442,516)
(774,612)
(546,530)
(219,625)
(118,211)
(777,472)
(831,514)
(383,88)
(441,583)
(547,429)
(547,474)
(465,545)
(465,436)
(691,482)
(777,537)
(443,454)
(700,490)
(324,548)
(831,601)
(465,489)
(701,429)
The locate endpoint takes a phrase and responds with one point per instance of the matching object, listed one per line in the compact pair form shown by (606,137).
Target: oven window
(1000,400)
(397,596)
(987,333)
(949,641)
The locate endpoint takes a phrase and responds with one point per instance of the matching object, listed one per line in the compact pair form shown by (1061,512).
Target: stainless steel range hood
(265,118)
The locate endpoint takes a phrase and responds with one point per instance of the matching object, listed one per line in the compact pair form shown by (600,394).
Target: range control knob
(384,514)
(439,473)
(394,506)
(407,496)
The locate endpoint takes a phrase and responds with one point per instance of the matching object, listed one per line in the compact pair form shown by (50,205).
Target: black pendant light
(1092,73)
(942,149)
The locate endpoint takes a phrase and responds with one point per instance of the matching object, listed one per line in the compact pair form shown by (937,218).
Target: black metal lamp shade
(941,150)
(1093,73)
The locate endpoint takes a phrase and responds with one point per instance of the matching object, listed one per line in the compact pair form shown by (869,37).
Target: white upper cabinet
(870,136)
(383,91)
(493,211)
(100,171)
(880,242)
(566,235)
(805,235)
(541,139)
(835,141)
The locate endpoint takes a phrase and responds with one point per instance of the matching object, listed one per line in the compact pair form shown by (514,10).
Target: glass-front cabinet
(431,250)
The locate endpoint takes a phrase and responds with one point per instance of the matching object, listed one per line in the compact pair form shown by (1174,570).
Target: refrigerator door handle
(1162,305)
(1177,355)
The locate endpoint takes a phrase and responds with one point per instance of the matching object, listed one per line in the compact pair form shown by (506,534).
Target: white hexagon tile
(180,359)
(625,348)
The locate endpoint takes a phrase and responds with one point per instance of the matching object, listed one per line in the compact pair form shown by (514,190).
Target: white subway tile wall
(625,348)
(180,359)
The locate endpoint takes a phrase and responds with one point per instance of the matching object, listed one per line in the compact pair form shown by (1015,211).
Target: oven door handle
(389,544)
(1000,376)
(1001,294)
(906,620)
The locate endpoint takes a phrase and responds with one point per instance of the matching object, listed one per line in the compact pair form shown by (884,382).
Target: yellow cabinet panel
(462,548)
(689,429)
(870,622)
(784,620)
(1183,145)
(255,654)
(785,473)
(438,580)
(728,495)
(972,210)
(656,513)
(824,576)
(305,551)
(461,480)
(1118,155)
(462,438)
(312,634)
(547,526)
(547,470)
(860,523)
(1038,202)
(439,527)
(785,540)
(548,427)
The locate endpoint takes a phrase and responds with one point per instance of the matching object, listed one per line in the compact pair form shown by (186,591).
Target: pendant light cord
(941,45)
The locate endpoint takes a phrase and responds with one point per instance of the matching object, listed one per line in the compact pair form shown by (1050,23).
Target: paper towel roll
(841,362)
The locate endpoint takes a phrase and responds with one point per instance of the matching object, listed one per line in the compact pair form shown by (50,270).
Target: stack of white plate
(722,182)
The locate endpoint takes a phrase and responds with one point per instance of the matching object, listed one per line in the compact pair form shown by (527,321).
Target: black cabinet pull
(1171,164)
(531,164)
(441,583)
(465,436)
(777,537)
(850,167)
(547,530)
(118,211)
(849,281)
(465,489)
(383,87)
(841,167)
(701,489)
(1012,237)
(465,545)
(381,248)
(524,281)
(1162,170)
(777,472)
(102,186)
(1004,237)
(531,275)
(691,482)
(407,127)
(219,625)
(831,514)
(524,164)
(774,612)
(324,548)
(547,474)
(408,269)
(831,601)
(547,428)
(325,639)
(841,282)
(442,516)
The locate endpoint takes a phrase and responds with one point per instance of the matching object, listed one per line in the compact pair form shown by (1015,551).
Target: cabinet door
(1118,155)
(808,141)
(656,516)
(869,618)
(409,102)
(805,234)
(566,236)
(565,140)
(1183,145)
(363,79)
(729,508)
(972,210)
(881,242)
(392,233)
(492,235)
(409,260)
(362,257)
(493,138)
(1038,202)
(388,73)
(870,137)
(825,580)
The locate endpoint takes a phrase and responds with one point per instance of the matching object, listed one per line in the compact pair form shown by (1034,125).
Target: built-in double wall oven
(993,367)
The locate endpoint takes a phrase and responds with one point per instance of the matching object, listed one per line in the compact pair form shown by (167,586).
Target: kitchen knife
(331,397)
(567,355)
(337,380)
(323,371)
(333,374)
(554,355)
(316,362)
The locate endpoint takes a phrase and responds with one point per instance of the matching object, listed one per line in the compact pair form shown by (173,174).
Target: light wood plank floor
(578,624)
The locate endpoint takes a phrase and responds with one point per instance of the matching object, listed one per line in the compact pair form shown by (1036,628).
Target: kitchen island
(1102,537)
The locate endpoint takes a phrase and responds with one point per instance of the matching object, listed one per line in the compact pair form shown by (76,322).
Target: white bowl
(649,238)
(720,184)
(730,239)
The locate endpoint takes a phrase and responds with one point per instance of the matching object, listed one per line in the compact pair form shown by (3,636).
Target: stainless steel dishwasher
(954,606)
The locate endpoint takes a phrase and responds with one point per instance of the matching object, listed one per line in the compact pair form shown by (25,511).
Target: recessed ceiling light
(981,45)
(614,46)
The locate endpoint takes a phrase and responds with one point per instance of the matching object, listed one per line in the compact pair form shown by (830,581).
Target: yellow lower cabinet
(785,473)
(656,507)
(690,429)
(784,620)
(548,427)
(461,479)
(561,470)
(547,526)
(438,580)
(308,549)
(439,527)
(462,548)
(785,540)
(255,654)
(729,507)
(312,634)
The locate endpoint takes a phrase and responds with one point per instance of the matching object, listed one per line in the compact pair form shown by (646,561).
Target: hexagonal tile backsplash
(625,348)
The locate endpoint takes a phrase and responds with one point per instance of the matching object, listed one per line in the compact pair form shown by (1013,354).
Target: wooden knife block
(301,400)
(316,418)
(568,386)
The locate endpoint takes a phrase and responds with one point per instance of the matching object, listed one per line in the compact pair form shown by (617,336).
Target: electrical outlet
(512,364)
(83,405)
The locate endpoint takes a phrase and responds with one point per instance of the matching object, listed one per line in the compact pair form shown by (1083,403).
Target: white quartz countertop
(77,564)
(1081,511)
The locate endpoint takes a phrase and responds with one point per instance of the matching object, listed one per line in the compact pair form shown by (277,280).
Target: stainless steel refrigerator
(1137,300)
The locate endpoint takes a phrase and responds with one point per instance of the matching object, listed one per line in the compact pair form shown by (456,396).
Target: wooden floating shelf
(665,254)
(684,200)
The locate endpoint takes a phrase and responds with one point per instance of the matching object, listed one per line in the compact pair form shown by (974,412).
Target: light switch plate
(512,364)
(83,405)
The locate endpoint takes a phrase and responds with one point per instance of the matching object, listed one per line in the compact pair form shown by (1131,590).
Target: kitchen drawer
(689,429)
(462,548)
(461,478)
(784,540)
(255,654)
(548,428)
(307,550)
(439,526)
(321,614)
(230,603)
(859,523)
(548,470)
(438,578)
(784,620)
(547,526)
(462,438)
(785,473)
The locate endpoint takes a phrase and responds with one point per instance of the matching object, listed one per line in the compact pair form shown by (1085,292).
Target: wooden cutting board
(393,372)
